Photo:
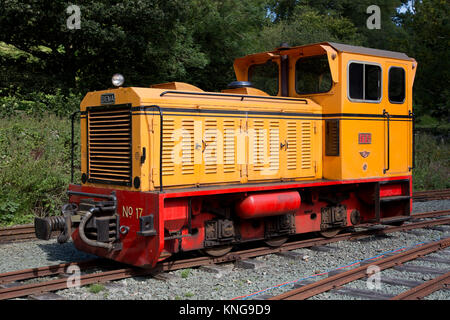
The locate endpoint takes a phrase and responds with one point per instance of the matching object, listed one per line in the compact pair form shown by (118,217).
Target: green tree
(304,25)
(147,41)
(352,11)
(427,24)
(224,30)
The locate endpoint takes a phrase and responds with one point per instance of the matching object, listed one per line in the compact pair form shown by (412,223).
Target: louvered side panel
(259,145)
(292,150)
(187,147)
(274,145)
(168,165)
(210,146)
(229,146)
(306,144)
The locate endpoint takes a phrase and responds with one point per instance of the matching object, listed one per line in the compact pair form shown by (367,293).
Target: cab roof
(367,51)
(340,47)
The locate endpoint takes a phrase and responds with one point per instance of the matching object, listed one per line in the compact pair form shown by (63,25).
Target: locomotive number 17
(128,212)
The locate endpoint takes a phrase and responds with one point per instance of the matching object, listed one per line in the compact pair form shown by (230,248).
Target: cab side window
(313,75)
(264,77)
(396,85)
(364,82)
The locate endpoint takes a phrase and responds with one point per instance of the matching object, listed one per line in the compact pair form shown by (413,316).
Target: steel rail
(431,214)
(20,275)
(425,288)
(431,195)
(341,279)
(60,284)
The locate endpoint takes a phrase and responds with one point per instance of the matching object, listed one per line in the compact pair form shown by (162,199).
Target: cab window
(264,77)
(396,85)
(313,75)
(364,82)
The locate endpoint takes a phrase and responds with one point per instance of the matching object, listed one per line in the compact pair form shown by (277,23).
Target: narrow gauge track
(17,233)
(26,231)
(340,279)
(20,290)
(421,196)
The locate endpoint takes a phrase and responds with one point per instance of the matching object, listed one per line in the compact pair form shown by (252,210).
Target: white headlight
(117,80)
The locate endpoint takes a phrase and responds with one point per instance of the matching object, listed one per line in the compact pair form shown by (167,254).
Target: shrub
(39,104)
(34,167)
(432,163)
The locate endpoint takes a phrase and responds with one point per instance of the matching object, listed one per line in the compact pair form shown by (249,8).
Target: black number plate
(108,98)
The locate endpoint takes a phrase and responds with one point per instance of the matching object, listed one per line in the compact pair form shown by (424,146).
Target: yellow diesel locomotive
(312,138)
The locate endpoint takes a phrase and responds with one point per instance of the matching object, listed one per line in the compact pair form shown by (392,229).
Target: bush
(34,166)
(432,163)
(38,104)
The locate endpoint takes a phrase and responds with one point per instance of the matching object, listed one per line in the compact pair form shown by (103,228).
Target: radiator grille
(109,145)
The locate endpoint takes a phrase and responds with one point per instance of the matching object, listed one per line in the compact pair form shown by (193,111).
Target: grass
(185,273)
(96,288)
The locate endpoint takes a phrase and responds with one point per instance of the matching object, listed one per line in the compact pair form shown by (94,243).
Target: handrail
(386,114)
(242,96)
(413,116)
(72,146)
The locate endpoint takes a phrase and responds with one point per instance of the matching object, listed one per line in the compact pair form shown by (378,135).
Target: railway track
(10,287)
(420,196)
(26,232)
(338,280)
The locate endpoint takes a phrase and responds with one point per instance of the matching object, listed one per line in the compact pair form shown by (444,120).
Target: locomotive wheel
(217,251)
(276,242)
(329,233)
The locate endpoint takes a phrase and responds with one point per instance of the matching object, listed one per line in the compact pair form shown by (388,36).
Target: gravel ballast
(271,275)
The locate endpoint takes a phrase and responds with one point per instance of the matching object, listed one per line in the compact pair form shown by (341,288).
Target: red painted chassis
(181,210)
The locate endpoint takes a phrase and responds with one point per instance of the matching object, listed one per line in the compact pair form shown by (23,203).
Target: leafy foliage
(34,166)
(427,25)
(432,163)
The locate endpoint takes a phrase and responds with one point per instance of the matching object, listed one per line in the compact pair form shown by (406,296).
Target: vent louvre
(274,145)
(292,145)
(210,152)
(168,166)
(332,137)
(109,145)
(187,147)
(229,146)
(306,158)
(259,145)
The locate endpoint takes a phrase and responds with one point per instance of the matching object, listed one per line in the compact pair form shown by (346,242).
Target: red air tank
(266,204)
